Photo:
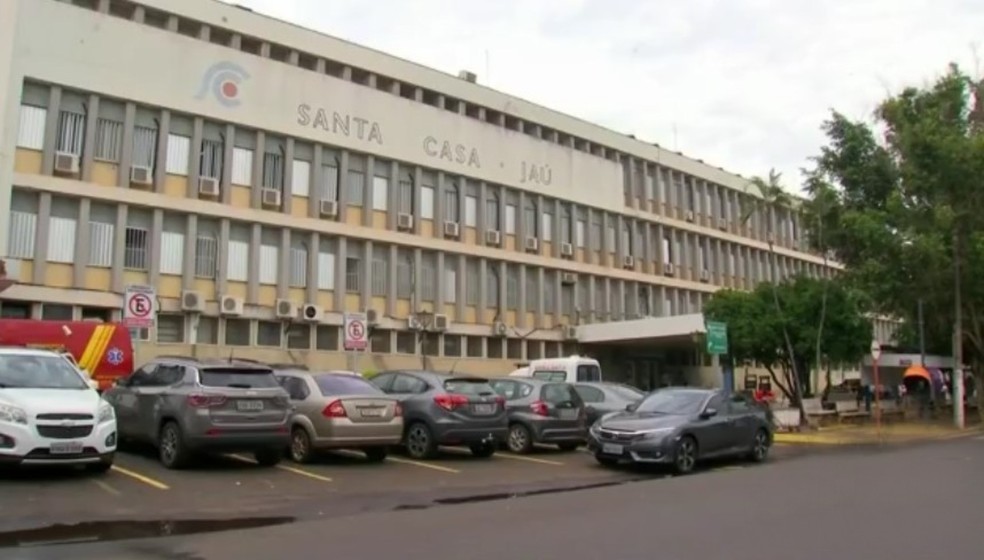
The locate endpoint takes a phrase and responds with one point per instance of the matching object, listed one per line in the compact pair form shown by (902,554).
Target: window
(61,240)
(54,312)
(345,385)
(269,264)
(492,213)
(172,253)
(380,193)
(300,178)
(273,171)
(428,277)
(379,341)
(471,282)
(269,333)
(547,233)
(565,225)
(406,343)
(326,271)
(211,163)
(406,196)
(242,166)
(590,394)
(109,140)
(427,203)
(237,261)
(407,385)
(326,337)
(258,378)
(206,256)
(329,182)
(178,148)
(356,187)
(404,277)
(588,373)
(667,252)
(299,337)
(450,282)
(610,239)
(15,310)
(23,227)
(208,330)
(471,211)
(379,275)
(135,248)
(30,134)
(452,345)
(237,332)
(511,219)
(531,218)
(353,275)
(476,346)
(579,233)
(451,199)
(144,146)
(71,132)
(170,329)
(492,286)
(298,267)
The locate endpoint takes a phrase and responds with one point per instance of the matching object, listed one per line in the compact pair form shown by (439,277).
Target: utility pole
(957,378)
(922,336)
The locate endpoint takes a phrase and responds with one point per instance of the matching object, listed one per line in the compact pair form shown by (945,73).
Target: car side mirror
(708,413)
(631,407)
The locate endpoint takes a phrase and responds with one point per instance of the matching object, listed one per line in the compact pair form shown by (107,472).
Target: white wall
(10,87)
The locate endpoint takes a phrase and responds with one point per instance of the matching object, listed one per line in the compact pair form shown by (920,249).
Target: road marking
(422,465)
(529,459)
(139,477)
(109,489)
(285,468)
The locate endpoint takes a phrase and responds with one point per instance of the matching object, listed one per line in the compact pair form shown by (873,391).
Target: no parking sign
(356,335)
(139,307)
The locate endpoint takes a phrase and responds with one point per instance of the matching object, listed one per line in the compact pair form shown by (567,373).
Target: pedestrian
(869,394)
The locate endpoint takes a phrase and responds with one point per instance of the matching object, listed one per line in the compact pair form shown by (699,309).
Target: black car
(542,412)
(601,398)
(680,427)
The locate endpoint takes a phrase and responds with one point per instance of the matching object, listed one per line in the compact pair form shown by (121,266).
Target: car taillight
(201,401)
(540,408)
(398,409)
(450,402)
(335,409)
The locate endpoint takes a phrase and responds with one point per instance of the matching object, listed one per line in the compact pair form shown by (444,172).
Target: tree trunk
(823,304)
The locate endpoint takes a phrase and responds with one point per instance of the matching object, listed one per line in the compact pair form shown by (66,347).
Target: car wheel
(482,450)
(419,441)
(685,455)
(606,461)
(268,457)
(568,446)
(375,454)
(300,445)
(171,448)
(760,447)
(101,467)
(520,441)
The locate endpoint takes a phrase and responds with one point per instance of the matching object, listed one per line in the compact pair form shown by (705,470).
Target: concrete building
(265,179)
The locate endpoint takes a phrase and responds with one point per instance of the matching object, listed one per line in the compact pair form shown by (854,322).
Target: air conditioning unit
(192,301)
(208,186)
(286,309)
(532,244)
(66,162)
(569,332)
(628,261)
(141,175)
(669,269)
(566,250)
(499,329)
(312,313)
(404,222)
(328,209)
(492,238)
(705,276)
(722,224)
(270,197)
(451,229)
(231,305)
(440,323)
(568,278)
(414,324)
(372,316)
(690,215)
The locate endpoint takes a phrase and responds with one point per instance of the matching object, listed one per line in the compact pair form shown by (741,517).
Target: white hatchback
(51,414)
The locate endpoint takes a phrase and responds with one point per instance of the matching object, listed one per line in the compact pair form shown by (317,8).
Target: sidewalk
(871,434)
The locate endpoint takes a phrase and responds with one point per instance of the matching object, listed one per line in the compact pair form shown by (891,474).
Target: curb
(832,439)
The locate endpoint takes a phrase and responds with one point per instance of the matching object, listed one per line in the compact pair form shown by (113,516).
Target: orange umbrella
(917,371)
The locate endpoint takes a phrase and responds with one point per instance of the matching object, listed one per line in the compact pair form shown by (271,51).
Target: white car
(51,414)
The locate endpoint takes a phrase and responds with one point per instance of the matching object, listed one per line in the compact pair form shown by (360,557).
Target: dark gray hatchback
(542,412)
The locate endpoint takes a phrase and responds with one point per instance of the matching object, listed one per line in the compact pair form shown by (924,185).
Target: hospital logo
(223,81)
(114,356)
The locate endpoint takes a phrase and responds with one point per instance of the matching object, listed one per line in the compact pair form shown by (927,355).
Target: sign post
(717,345)
(139,311)
(356,338)
(875,355)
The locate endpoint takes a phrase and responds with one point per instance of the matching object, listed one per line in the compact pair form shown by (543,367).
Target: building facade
(265,179)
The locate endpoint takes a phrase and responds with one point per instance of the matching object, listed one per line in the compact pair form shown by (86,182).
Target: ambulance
(104,351)
(572,369)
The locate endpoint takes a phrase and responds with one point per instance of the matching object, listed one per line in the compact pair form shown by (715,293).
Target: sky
(741,84)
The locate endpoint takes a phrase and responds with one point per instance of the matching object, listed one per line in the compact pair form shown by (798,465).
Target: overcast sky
(741,84)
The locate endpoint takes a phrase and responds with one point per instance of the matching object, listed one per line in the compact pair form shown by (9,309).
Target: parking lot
(138,487)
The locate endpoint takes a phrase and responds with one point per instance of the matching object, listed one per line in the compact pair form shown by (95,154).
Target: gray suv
(442,409)
(542,412)
(185,407)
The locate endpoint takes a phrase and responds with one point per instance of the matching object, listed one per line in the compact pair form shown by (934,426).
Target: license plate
(66,448)
(612,449)
(249,406)
(568,414)
(371,412)
(484,409)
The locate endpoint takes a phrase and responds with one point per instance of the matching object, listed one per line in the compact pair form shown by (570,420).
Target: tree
(907,212)
(755,328)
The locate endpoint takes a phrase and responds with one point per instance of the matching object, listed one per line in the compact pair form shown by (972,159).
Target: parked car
(51,414)
(542,412)
(442,409)
(603,398)
(185,407)
(336,410)
(680,427)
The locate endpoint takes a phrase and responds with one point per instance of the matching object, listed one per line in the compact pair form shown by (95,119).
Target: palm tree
(821,195)
(774,197)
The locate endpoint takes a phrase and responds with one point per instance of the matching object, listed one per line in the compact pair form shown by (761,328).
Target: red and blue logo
(223,80)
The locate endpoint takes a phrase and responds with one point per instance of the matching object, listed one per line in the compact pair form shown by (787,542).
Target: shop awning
(917,372)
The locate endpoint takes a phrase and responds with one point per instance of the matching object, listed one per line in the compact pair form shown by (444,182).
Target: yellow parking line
(530,459)
(139,477)
(109,489)
(285,468)
(422,465)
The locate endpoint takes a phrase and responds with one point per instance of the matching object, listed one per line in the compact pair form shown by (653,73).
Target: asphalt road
(899,504)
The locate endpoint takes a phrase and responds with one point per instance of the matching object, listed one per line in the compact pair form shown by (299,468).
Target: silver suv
(185,407)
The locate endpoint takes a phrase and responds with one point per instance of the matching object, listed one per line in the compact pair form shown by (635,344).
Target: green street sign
(717,338)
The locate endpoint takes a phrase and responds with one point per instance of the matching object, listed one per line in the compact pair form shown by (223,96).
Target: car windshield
(19,371)
(627,393)
(672,402)
(469,387)
(239,378)
(341,384)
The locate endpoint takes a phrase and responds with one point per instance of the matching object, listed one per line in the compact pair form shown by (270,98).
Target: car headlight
(657,433)
(106,412)
(9,413)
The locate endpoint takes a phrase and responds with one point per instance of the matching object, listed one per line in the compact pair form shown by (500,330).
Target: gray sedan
(680,427)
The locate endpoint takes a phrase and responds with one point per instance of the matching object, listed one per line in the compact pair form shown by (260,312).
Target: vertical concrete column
(501,310)
(557,233)
(89,143)
(227,151)
(367,191)
(119,247)
(287,197)
(51,132)
(126,153)
(160,155)
(256,190)
(392,271)
(365,294)
(81,243)
(418,179)
(190,252)
(393,197)
(540,318)
(502,212)
(253,280)
(195,156)
(41,238)
(341,258)
(343,186)
(481,213)
(316,192)
(521,304)
(440,283)
(483,289)
(313,274)
(222,268)
(461,264)
(521,233)
(156,228)
(284,264)
(418,268)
